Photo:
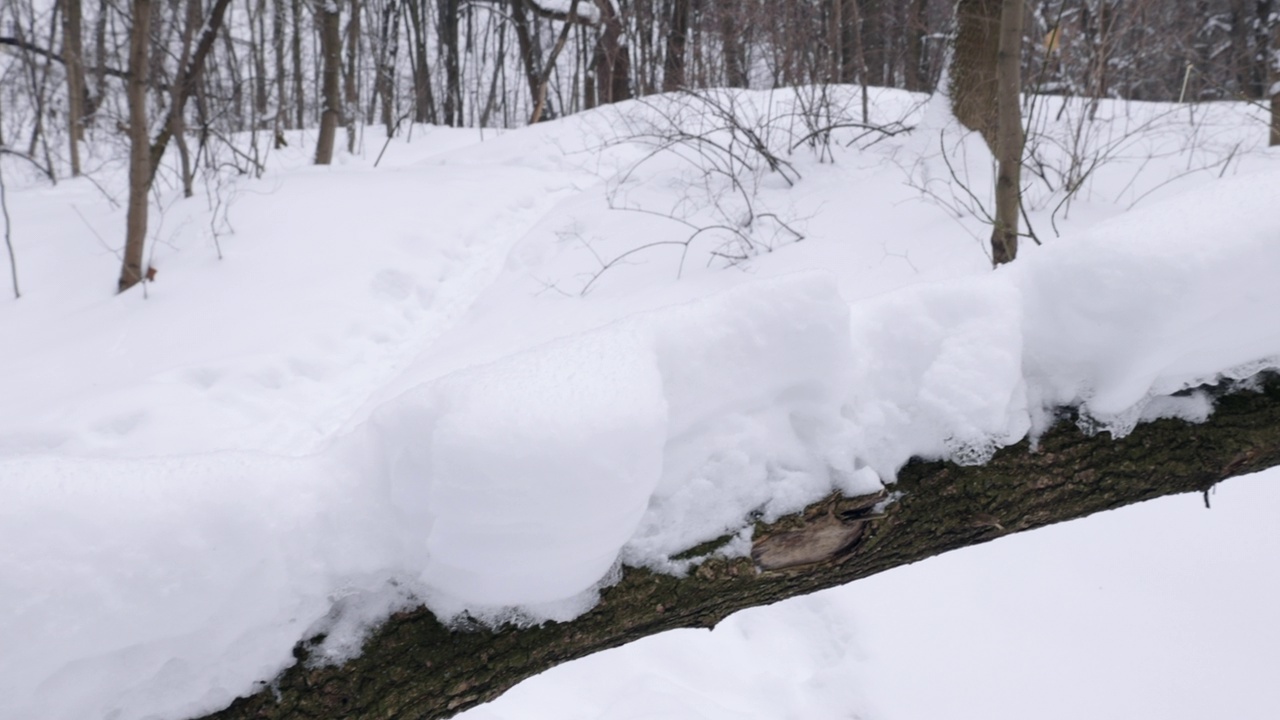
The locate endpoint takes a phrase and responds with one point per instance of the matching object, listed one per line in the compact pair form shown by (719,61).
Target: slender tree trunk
(282,120)
(452,69)
(1275,73)
(100,57)
(131,272)
(177,120)
(1004,234)
(387,66)
(258,55)
(330,78)
(351,92)
(837,35)
(73,54)
(295,49)
(673,72)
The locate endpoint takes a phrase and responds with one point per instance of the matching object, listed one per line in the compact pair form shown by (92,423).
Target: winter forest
(619,359)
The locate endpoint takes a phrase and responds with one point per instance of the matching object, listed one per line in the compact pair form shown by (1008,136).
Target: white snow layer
(140,587)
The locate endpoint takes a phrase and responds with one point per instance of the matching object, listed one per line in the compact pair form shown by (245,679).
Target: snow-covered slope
(484,372)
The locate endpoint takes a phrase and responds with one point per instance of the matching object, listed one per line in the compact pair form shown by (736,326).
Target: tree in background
(986,82)
(1275,72)
(131,272)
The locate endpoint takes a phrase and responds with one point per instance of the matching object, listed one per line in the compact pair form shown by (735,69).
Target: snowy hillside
(478,370)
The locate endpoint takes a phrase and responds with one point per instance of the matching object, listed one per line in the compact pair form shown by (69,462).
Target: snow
(1162,609)
(449,380)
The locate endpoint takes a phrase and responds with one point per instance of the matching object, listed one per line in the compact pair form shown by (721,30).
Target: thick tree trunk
(413,667)
(974,99)
(1004,233)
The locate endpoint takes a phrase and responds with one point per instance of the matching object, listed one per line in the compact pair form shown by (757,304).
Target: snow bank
(1166,297)
(143,587)
(518,482)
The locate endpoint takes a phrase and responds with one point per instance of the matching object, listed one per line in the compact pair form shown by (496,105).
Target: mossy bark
(413,667)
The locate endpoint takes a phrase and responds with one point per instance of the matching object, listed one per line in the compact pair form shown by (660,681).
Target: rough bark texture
(1275,76)
(139,150)
(413,667)
(330,79)
(1004,232)
(73,51)
(673,64)
(973,67)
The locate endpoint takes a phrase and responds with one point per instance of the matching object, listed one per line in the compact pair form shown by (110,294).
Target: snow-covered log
(415,667)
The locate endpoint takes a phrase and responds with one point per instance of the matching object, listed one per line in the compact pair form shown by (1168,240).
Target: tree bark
(974,98)
(452,69)
(414,667)
(673,75)
(73,51)
(1004,233)
(424,103)
(612,58)
(139,147)
(1275,74)
(331,78)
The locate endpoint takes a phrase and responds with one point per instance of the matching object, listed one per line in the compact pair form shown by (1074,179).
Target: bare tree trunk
(295,49)
(1004,234)
(540,100)
(1275,73)
(612,60)
(351,92)
(452,70)
(733,47)
(258,56)
(916,21)
(835,31)
(387,55)
(73,54)
(131,272)
(282,120)
(416,667)
(673,73)
(974,98)
(177,120)
(331,92)
(424,103)
(528,48)
(100,57)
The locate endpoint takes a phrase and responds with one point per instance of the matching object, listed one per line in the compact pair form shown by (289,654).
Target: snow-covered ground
(493,366)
